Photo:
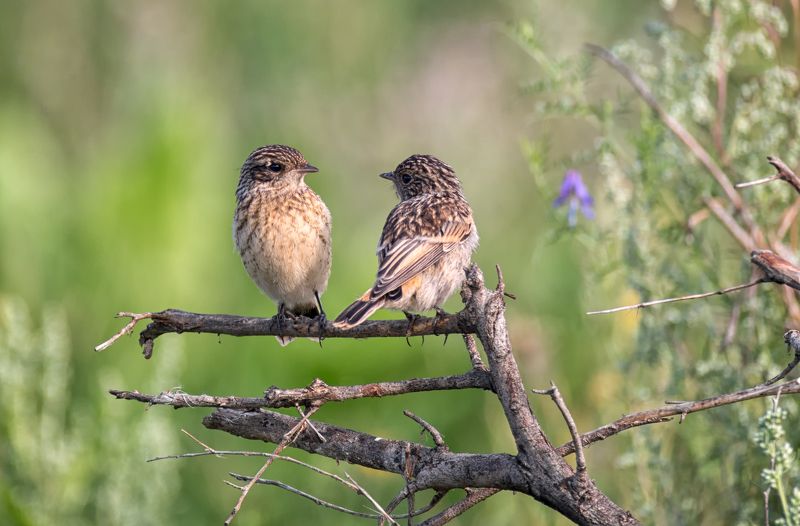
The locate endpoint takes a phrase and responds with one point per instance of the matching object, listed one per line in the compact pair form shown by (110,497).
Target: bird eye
(406,179)
(275,167)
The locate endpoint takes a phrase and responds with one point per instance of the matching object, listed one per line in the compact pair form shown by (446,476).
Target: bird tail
(359,310)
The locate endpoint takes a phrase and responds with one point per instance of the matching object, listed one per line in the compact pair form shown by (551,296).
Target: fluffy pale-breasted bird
(427,242)
(282,231)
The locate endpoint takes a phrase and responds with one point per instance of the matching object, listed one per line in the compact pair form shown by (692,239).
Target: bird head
(422,174)
(274,166)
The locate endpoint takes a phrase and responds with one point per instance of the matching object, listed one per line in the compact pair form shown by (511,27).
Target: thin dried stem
(363,492)
(679,298)
(731,225)
(312,498)
(127,329)
(435,434)
(288,438)
(681,409)
(787,219)
(555,395)
(474,355)
(756,182)
(474,496)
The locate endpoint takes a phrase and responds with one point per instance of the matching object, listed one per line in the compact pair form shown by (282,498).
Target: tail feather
(359,310)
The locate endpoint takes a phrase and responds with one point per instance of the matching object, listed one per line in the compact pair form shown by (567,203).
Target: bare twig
(436,499)
(312,498)
(696,219)
(403,495)
(435,434)
(127,329)
(730,224)
(474,496)
(680,298)
(205,446)
(408,476)
(361,491)
(221,453)
(787,219)
(756,182)
(310,423)
(784,174)
(555,395)
(665,413)
(718,128)
(317,391)
(796,24)
(288,438)
(775,270)
(474,355)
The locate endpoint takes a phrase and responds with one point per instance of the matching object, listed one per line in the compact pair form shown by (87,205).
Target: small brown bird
(282,230)
(427,242)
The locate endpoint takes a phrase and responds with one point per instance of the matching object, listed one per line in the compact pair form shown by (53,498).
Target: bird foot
(440,315)
(322,321)
(412,319)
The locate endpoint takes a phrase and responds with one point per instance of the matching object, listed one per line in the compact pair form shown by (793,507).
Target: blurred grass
(122,128)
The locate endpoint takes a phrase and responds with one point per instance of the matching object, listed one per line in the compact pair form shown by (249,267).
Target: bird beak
(388,175)
(308,169)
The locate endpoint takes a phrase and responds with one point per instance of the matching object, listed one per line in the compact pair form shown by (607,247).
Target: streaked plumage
(282,230)
(426,243)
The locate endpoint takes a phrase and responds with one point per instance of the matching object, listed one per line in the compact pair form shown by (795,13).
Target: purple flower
(577,195)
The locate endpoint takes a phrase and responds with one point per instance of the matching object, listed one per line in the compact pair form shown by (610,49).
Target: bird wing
(417,234)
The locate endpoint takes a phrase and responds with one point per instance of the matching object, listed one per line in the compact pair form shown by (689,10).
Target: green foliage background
(122,128)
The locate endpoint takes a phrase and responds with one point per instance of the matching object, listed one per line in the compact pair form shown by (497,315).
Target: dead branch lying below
(178,321)
(433,467)
(665,413)
(317,392)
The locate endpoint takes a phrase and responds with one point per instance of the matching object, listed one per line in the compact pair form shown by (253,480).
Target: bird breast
(284,242)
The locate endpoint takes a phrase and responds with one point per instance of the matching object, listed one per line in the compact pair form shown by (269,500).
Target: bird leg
(440,314)
(412,318)
(322,320)
(281,318)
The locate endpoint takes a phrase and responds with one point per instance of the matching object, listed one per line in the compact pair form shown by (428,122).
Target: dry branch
(178,321)
(555,395)
(434,467)
(667,412)
(536,469)
(317,392)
